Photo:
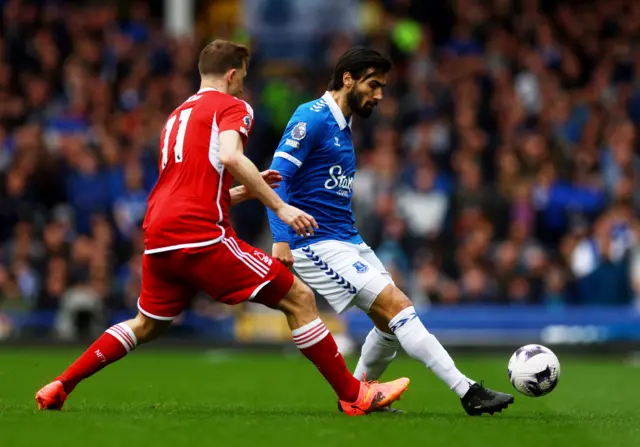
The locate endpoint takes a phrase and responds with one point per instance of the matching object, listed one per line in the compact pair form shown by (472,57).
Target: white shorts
(345,274)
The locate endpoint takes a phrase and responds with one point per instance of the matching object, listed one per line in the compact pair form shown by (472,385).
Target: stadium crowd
(501,167)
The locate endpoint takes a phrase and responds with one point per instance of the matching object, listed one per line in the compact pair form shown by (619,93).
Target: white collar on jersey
(207,89)
(335,111)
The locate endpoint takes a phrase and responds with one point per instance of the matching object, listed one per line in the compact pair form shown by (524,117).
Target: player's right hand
(282,252)
(303,224)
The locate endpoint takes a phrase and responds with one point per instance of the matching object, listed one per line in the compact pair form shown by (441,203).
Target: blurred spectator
(503,165)
(130,207)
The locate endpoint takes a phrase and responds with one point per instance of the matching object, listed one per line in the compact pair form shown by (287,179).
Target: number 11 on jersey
(179,144)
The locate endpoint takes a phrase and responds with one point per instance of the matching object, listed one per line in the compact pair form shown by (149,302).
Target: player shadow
(230,410)
(199,410)
(455,416)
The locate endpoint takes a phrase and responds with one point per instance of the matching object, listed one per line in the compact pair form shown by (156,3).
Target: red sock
(317,344)
(115,343)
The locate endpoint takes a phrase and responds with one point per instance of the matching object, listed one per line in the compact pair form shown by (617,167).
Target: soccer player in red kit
(190,245)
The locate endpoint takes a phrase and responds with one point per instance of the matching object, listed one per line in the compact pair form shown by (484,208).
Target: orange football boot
(374,396)
(52,396)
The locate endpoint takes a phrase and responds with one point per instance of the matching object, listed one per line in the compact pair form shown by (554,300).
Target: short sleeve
(297,141)
(238,117)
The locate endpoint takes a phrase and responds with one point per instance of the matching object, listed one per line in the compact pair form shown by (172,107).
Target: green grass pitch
(169,398)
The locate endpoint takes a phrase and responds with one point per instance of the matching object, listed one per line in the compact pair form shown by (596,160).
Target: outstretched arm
(279,229)
(281,249)
(233,158)
(239,194)
(296,144)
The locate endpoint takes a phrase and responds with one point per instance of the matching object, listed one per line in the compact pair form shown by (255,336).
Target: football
(534,370)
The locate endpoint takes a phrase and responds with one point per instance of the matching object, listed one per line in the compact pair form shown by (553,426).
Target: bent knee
(305,297)
(147,329)
(300,299)
(400,301)
(389,303)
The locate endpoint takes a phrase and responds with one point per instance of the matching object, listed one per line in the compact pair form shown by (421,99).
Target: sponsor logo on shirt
(337,180)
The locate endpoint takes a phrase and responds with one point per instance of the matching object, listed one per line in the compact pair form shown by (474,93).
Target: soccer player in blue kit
(317,162)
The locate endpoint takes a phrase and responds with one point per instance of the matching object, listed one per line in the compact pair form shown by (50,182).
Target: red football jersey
(189,205)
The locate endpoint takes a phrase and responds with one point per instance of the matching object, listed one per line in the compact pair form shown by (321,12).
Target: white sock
(422,345)
(378,350)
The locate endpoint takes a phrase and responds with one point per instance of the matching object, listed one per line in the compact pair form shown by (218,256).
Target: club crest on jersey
(360,267)
(264,258)
(299,131)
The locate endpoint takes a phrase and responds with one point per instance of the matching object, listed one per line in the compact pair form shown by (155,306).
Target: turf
(218,398)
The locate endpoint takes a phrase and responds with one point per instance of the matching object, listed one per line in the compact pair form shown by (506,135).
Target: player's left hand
(271,176)
(282,252)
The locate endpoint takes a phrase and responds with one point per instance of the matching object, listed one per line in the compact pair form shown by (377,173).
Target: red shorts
(230,272)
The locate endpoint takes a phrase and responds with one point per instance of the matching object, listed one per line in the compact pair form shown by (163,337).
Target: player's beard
(358,106)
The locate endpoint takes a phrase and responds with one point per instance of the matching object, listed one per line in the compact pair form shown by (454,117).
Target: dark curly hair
(358,61)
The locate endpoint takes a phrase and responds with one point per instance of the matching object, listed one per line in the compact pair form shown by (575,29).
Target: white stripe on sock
(129,332)
(306,331)
(317,339)
(125,335)
(310,334)
(301,330)
(120,338)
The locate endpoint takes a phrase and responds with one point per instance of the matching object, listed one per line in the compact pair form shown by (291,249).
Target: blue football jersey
(318,164)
